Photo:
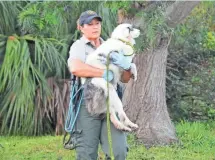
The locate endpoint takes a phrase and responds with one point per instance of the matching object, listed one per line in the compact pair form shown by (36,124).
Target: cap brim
(89,19)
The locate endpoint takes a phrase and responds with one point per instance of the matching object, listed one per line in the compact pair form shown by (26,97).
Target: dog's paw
(126,129)
(123,127)
(134,71)
(130,124)
(135,126)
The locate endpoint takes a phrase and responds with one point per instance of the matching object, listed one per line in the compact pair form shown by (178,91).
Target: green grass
(197,143)
(34,148)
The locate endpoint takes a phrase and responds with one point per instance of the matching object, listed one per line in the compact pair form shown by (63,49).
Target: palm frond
(8,12)
(53,107)
(108,24)
(3,40)
(17,85)
(22,77)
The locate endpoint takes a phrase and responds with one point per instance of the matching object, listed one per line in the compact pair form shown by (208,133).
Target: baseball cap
(87,16)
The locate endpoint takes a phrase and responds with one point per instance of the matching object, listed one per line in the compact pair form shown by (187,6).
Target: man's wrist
(108,75)
(125,77)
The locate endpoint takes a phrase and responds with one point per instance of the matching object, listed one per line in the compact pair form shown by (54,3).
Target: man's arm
(126,76)
(81,69)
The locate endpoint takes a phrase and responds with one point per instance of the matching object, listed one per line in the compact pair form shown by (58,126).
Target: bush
(190,75)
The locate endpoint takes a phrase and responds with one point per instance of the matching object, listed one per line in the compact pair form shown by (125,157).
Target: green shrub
(190,73)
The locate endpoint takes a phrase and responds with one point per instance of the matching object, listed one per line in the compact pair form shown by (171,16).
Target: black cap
(87,16)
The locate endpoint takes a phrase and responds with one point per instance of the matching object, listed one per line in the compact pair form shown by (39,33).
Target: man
(92,130)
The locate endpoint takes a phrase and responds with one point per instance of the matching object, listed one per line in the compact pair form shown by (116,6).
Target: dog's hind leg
(117,107)
(119,125)
(126,121)
(116,103)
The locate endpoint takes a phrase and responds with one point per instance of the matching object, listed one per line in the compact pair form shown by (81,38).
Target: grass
(197,143)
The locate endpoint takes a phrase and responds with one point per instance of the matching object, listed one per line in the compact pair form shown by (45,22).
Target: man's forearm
(82,69)
(126,76)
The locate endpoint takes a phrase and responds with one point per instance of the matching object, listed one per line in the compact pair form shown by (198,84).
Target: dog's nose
(136,33)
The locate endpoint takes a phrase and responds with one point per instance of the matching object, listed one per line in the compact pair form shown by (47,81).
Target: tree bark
(178,11)
(147,104)
(145,99)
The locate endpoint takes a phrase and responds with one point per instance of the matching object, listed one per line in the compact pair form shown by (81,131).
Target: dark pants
(91,131)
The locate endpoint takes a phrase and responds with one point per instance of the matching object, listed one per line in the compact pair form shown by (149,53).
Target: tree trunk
(147,104)
(145,99)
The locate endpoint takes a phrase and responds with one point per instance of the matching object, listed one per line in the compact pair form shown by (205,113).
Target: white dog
(95,89)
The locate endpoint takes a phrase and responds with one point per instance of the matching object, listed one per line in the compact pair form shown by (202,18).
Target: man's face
(92,30)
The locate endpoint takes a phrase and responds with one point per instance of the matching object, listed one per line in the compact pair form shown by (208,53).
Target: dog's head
(126,32)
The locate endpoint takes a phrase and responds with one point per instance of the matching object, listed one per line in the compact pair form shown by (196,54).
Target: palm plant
(34,89)
(29,60)
(8,12)
(21,76)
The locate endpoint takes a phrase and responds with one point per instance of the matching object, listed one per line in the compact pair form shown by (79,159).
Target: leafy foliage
(38,18)
(8,12)
(209,42)
(190,73)
(115,6)
(153,25)
(33,89)
(151,21)
(2,48)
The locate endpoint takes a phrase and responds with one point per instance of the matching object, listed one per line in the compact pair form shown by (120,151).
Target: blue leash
(71,115)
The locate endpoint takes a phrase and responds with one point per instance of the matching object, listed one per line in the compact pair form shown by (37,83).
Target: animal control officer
(93,129)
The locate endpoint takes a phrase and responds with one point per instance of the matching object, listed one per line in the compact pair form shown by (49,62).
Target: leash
(108,114)
(69,125)
(75,93)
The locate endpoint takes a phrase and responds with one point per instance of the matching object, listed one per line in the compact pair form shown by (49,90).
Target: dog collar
(129,44)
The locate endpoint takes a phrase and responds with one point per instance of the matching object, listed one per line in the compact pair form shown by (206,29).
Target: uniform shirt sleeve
(77,51)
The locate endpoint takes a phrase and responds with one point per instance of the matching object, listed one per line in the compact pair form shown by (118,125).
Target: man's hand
(132,73)
(118,59)
(126,76)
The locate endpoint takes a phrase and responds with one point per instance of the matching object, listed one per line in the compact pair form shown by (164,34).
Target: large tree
(145,99)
